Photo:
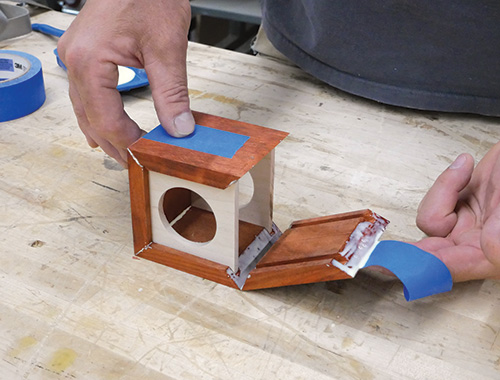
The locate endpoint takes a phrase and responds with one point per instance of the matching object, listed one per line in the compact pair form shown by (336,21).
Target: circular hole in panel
(188,214)
(246,190)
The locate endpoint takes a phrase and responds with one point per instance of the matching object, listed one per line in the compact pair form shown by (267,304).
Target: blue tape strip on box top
(22,89)
(203,139)
(421,273)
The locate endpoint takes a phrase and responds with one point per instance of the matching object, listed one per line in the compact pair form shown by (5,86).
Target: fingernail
(184,124)
(459,162)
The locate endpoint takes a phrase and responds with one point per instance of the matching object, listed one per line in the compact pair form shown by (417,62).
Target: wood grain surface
(204,168)
(75,303)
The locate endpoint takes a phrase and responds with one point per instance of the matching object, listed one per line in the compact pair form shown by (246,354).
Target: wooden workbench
(74,303)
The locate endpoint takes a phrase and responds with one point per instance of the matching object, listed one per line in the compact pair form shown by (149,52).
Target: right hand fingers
(171,98)
(104,36)
(436,214)
(94,140)
(166,69)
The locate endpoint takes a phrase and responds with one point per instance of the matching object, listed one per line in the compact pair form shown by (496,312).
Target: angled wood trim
(207,168)
(261,278)
(188,263)
(139,204)
(188,165)
(294,274)
(366,215)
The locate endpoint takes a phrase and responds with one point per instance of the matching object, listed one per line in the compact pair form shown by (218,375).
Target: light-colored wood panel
(259,209)
(223,248)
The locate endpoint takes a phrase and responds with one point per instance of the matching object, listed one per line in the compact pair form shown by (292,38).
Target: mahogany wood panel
(315,238)
(365,214)
(188,263)
(297,273)
(207,168)
(304,253)
(139,204)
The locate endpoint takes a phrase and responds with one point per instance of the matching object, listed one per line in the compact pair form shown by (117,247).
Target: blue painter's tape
(47,29)
(140,77)
(421,273)
(203,139)
(23,92)
(6,65)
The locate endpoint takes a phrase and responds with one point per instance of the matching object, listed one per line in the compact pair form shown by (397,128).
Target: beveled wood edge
(367,214)
(237,126)
(294,274)
(185,163)
(139,204)
(189,171)
(188,263)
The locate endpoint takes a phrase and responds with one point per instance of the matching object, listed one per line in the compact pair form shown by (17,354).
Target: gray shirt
(429,54)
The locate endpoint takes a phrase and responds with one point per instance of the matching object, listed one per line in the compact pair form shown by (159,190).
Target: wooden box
(187,211)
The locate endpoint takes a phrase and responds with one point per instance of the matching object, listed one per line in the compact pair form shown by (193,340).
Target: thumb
(168,81)
(436,214)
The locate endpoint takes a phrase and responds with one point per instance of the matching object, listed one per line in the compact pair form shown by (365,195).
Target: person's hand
(461,216)
(143,34)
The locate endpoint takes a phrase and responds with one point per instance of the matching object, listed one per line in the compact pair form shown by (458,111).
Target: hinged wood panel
(304,252)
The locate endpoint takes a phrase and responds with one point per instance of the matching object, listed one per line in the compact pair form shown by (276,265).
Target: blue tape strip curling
(21,93)
(203,139)
(421,273)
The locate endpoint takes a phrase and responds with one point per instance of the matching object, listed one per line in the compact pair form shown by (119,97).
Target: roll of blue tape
(21,84)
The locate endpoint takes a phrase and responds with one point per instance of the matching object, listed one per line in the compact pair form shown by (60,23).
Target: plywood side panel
(223,248)
(260,208)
